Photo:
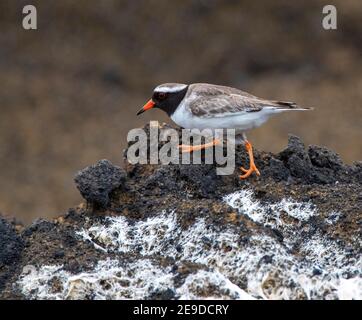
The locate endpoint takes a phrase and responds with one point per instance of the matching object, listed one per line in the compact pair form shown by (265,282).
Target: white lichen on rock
(269,214)
(108,280)
(239,267)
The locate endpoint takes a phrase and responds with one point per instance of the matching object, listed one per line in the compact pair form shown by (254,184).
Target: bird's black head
(166,97)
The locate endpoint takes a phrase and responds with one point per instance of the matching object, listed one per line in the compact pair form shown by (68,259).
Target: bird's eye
(161,95)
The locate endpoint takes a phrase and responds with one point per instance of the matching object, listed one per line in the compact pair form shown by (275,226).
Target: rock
(162,178)
(277,170)
(297,160)
(356,171)
(317,165)
(58,254)
(96,182)
(39,226)
(181,231)
(295,147)
(10,243)
(327,165)
(166,294)
(203,178)
(11,246)
(323,158)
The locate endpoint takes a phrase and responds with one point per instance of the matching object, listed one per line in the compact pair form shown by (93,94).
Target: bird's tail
(287,105)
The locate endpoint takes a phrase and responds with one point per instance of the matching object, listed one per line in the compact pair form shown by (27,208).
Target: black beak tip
(141,111)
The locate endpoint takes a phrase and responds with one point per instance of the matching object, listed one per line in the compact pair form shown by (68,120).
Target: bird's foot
(253,167)
(248,172)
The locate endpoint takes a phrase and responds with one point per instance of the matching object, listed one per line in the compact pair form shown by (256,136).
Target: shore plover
(208,106)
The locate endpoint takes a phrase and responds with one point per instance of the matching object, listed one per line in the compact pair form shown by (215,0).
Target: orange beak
(150,104)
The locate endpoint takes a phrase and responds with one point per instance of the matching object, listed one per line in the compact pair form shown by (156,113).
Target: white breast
(242,120)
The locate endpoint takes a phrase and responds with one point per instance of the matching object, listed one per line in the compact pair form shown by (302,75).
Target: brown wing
(206,89)
(210,101)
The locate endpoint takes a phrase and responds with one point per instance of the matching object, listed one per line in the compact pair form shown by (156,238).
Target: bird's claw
(252,169)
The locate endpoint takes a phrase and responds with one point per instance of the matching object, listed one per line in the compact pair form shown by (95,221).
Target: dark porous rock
(356,171)
(277,170)
(316,165)
(11,246)
(297,160)
(58,254)
(96,182)
(295,147)
(39,226)
(181,231)
(167,294)
(163,178)
(202,178)
(327,165)
(10,243)
(324,158)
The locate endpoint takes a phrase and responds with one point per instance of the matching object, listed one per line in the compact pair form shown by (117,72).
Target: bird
(209,106)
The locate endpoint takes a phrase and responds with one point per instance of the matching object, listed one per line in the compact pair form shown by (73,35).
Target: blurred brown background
(69,91)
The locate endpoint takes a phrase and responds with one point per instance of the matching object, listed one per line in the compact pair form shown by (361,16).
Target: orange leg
(187,148)
(253,167)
